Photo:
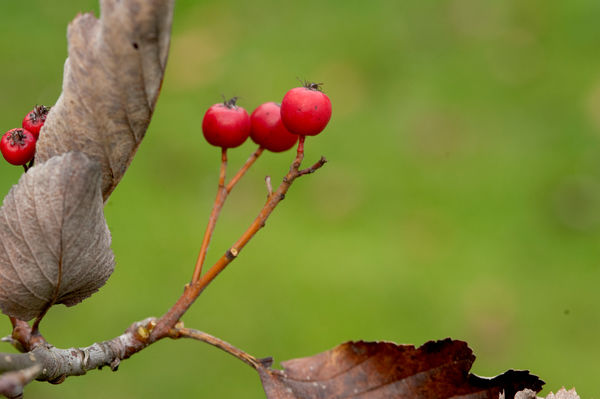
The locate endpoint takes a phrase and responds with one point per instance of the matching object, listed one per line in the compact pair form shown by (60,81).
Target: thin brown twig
(214,216)
(313,168)
(61,363)
(193,290)
(249,162)
(222,193)
(247,358)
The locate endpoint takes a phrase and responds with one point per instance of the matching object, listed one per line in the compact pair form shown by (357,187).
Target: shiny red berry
(35,119)
(306,110)
(267,129)
(226,125)
(18,146)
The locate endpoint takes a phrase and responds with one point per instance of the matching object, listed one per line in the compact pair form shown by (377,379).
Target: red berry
(306,110)
(35,119)
(268,130)
(18,146)
(226,125)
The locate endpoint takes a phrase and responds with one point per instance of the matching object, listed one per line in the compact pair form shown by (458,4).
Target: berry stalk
(214,216)
(195,288)
(222,193)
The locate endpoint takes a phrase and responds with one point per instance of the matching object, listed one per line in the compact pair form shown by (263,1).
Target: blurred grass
(462,197)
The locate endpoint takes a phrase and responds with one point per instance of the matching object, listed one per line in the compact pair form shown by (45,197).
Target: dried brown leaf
(372,370)
(111,82)
(54,241)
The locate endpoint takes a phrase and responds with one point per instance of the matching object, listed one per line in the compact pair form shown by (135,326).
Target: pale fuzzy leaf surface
(384,370)
(54,241)
(111,82)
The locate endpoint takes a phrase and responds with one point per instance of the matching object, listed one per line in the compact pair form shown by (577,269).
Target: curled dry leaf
(111,82)
(373,370)
(54,241)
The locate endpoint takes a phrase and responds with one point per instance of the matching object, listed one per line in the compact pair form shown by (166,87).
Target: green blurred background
(462,197)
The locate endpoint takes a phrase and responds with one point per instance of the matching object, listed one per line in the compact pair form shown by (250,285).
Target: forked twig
(57,364)
(214,216)
(249,162)
(194,289)
(222,193)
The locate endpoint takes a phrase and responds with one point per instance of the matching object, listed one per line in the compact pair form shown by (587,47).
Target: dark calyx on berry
(231,103)
(39,113)
(16,137)
(312,85)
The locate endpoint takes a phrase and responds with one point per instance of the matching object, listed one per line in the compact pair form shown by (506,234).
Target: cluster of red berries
(18,145)
(304,111)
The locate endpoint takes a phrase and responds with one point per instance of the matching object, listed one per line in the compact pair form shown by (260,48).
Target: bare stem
(250,360)
(13,382)
(244,168)
(193,290)
(222,193)
(47,363)
(214,216)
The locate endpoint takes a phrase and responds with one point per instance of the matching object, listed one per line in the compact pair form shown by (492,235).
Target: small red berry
(226,125)
(268,130)
(306,110)
(35,119)
(18,146)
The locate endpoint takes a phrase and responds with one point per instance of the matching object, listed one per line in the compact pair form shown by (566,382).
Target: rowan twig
(194,289)
(222,193)
(46,363)
(13,382)
(250,360)
(214,216)
(249,162)
(313,168)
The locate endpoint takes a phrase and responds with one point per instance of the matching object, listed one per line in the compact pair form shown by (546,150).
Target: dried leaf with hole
(111,82)
(54,241)
(372,370)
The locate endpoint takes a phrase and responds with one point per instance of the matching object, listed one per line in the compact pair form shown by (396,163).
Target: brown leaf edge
(359,369)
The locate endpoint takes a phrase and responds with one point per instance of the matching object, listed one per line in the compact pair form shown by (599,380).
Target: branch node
(58,380)
(85,358)
(266,361)
(114,365)
(269,186)
(232,253)
(151,324)
(313,168)
(143,332)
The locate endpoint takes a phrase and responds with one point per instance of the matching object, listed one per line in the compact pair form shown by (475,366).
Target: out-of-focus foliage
(462,198)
